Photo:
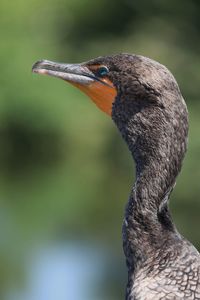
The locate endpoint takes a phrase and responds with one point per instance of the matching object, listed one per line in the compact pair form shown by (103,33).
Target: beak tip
(38,65)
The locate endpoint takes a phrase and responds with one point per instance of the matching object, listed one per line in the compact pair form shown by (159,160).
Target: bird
(144,100)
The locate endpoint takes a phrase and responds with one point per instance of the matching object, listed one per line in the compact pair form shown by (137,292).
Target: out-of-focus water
(64,272)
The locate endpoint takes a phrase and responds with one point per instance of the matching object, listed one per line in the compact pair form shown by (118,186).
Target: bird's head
(140,94)
(123,77)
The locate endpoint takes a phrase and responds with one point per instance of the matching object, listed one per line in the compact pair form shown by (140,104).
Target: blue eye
(102,71)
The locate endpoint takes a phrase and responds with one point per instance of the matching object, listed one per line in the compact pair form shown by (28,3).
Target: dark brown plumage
(152,117)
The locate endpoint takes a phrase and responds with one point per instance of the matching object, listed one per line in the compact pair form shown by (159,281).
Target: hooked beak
(100,90)
(74,73)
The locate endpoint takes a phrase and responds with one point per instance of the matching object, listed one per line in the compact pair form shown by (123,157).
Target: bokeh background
(65,173)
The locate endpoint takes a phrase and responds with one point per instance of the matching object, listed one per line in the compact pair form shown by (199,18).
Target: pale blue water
(64,272)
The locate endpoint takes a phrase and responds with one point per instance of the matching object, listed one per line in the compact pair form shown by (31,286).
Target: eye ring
(102,71)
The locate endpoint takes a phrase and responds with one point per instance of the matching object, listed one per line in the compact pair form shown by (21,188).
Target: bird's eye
(102,71)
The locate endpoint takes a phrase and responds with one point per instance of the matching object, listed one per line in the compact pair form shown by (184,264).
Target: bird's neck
(147,221)
(158,150)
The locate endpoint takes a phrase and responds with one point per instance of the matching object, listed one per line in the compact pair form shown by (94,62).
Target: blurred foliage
(65,172)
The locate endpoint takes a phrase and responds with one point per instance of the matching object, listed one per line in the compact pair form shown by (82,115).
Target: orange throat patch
(102,95)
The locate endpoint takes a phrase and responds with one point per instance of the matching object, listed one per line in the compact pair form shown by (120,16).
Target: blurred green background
(65,172)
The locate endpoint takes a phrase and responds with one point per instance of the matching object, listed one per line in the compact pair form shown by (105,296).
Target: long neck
(147,221)
(157,142)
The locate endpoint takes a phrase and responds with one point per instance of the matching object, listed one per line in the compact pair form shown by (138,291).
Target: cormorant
(144,101)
